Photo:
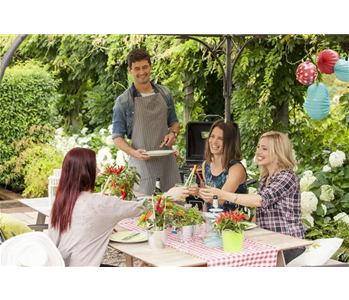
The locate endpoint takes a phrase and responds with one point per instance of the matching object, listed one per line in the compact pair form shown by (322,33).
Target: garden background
(59,91)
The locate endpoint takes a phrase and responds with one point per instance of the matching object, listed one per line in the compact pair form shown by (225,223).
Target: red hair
(78,175)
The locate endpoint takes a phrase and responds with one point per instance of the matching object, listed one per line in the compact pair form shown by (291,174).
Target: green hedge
(27,96)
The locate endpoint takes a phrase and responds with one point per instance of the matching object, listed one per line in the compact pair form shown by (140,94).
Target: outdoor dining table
(261,247)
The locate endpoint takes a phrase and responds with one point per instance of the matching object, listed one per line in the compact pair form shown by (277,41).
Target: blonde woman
(278,200)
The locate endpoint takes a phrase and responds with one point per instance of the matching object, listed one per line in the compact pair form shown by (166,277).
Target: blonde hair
(280,148)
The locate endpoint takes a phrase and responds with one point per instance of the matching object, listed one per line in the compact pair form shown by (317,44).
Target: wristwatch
(174,133)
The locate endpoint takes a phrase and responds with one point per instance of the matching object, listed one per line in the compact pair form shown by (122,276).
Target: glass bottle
(157,187)
(215,202)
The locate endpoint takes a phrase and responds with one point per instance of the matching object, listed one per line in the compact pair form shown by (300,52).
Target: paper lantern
(326,61)
(306,73)
(317,103)
(341,69)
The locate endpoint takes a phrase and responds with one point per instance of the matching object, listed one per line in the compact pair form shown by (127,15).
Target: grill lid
(196,135)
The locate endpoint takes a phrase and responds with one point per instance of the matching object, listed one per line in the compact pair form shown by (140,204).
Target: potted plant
(157,213)
(185,221)
(161,213)
(119,181)
(232,225)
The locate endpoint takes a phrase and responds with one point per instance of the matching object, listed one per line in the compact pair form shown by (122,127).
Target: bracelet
(236,198)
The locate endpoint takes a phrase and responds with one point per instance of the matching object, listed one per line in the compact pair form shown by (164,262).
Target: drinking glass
(193,181)
(210,184)
(193,186)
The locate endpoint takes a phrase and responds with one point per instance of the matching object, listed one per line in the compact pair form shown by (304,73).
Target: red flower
(124,194)
(123,187)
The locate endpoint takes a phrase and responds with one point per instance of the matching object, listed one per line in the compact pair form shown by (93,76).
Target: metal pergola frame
(229,42)
(230,47)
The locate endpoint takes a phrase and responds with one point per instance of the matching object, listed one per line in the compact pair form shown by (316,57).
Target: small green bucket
(232,241)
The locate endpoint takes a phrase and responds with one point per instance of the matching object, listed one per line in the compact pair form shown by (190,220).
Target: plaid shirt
(281,204)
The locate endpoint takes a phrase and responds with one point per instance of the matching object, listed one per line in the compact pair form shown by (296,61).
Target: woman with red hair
(81,222)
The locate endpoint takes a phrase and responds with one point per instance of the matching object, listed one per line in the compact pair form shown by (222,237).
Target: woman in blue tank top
(222,167)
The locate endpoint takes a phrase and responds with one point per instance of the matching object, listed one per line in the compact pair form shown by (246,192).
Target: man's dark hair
(137,55)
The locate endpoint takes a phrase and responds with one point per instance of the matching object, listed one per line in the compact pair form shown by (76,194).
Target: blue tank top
(219,181)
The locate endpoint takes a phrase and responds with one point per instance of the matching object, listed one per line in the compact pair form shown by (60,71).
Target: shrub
(12,171)
(39,163)
(26,96)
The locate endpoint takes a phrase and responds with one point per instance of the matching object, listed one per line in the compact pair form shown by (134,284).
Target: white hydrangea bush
(324,193)
(308,202)
(307,179)
(326,169)
(308,218)
(327,193)
(342,216)
(100,141)
(337,159)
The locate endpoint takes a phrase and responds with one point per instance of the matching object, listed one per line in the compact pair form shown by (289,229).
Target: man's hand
(140,155)
(170,139)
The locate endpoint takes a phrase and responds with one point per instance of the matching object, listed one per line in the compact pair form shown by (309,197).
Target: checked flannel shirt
(281,204)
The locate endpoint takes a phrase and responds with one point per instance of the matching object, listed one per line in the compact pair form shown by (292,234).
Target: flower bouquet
(231,225)
(119,180)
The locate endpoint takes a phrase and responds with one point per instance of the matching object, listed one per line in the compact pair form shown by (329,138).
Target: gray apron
(148,131)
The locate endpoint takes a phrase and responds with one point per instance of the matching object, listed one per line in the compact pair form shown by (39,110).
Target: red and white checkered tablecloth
(253,254)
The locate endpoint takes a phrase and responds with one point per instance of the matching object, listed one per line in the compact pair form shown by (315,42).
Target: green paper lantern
(317,103)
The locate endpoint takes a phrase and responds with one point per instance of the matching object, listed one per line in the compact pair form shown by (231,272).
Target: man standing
(145,113)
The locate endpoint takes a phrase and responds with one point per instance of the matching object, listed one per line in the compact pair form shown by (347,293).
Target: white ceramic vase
(157,239)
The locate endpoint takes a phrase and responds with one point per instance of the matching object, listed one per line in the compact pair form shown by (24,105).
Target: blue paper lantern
(317,103)
(341,69)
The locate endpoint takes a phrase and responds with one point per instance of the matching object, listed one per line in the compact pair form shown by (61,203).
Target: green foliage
(344,100)
(38,164)
(264,82)
(90,72)
(186,217)
(26,97)
(12,171)
(313,140)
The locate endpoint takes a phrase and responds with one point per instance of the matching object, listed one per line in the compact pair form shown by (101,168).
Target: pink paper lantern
(326,61)
(306,73)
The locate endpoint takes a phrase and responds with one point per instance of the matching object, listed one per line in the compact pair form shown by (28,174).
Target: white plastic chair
(53,184)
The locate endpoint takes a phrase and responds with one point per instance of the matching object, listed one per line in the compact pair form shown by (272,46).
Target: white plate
(117,237)
(159,152)
(251,225)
